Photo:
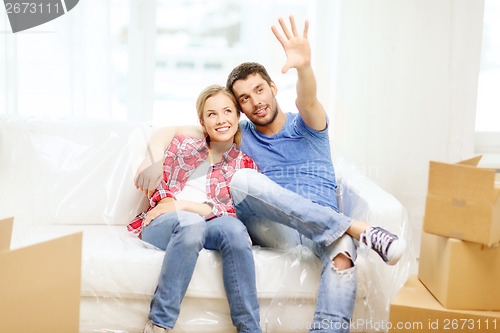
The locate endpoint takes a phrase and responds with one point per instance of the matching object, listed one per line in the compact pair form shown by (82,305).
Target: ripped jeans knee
(342,251)
(342,262)
(337,290)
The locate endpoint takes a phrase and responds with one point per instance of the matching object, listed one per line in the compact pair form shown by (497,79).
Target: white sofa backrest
(70,171)
(81,172)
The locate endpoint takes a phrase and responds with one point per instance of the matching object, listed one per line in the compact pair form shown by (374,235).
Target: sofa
(61,176)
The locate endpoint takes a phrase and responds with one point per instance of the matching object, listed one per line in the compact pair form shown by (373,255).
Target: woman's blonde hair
(211,91)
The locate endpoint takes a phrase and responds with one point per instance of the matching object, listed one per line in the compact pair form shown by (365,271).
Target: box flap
(40,287)
(415,295)
(5,233)
(461,182)
(471,161)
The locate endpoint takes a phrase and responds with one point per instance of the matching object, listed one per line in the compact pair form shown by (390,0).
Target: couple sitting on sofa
(206,193)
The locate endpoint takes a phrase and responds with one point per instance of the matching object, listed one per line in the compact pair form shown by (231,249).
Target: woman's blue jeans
(182,235)
(279,218)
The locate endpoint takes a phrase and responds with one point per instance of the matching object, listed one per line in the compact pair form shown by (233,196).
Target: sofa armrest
(362,199)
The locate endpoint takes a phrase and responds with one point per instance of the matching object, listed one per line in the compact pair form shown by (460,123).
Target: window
(488,98)
(73,66)
(219,35)
(140,60)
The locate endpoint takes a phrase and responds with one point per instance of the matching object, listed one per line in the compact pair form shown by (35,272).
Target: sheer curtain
(140,60)
(74,66)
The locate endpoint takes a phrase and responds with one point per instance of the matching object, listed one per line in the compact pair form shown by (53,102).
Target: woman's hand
(166,205)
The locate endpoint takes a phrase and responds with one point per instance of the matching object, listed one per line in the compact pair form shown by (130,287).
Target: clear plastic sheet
(378,283)
(62,176)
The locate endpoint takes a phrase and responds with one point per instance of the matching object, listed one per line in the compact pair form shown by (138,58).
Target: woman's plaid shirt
(182,157)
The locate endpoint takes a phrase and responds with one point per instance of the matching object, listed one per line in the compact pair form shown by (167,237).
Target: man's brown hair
(244,70)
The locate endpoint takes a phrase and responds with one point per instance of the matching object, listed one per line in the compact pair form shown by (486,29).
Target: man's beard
(274,114)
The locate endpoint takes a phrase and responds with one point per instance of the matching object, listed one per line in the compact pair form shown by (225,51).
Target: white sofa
(63,176)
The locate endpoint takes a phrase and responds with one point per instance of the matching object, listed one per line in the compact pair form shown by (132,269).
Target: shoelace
(379,240)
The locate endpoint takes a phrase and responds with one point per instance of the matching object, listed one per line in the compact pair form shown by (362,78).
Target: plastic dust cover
(58,177)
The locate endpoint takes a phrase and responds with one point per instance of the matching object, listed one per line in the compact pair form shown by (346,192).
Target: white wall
(404,91)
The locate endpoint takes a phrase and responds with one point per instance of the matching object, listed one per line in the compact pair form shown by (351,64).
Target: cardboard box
(463,202)
(460,274)
(415,310)
(40,284)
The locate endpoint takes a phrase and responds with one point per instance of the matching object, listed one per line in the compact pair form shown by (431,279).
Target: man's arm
(150,172)
(298,54)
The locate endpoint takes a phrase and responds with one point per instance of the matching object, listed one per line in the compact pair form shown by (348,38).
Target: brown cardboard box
(415,310)
(463,202)
(460,274)
(39,284)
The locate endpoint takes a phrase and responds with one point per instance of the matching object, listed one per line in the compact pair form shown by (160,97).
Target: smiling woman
(219,115)
(192,209)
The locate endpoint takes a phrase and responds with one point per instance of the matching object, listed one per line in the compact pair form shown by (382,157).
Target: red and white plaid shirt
(182,157)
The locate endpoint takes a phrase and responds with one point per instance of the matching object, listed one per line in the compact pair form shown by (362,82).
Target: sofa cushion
(117,264)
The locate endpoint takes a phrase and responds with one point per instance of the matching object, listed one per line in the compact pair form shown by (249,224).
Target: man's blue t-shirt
(297,158)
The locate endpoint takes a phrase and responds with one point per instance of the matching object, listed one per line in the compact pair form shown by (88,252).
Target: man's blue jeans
(279,218)
(182,235)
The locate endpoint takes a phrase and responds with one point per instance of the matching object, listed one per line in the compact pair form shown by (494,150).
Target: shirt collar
(228,156)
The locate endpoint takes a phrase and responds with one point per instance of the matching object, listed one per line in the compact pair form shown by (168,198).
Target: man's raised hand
(297,49)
